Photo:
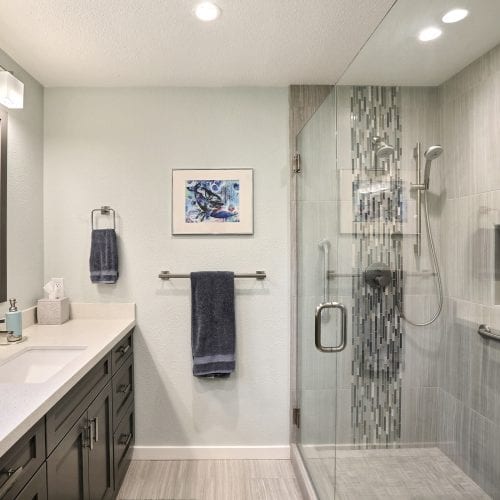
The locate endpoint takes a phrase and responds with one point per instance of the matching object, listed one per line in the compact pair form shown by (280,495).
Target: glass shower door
(317,230)
(350,215)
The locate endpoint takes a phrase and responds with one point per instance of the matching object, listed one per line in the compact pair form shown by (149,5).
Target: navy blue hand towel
(213,331)
(103,256)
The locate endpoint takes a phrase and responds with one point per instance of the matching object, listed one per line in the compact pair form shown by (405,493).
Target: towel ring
(105,210)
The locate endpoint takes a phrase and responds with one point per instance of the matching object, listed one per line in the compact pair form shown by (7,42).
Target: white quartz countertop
(97,329)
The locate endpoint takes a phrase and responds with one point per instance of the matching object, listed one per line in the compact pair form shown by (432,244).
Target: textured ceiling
(160,42)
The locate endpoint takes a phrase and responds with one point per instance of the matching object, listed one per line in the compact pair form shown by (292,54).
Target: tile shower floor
(413,473)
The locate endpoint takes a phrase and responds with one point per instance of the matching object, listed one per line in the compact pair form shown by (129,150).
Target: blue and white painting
(212,201)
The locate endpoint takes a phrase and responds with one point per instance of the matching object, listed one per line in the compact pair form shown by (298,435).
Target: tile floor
(210,480)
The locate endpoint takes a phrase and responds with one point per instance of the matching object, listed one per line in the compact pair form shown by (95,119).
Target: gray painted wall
(24,192)
(118,147)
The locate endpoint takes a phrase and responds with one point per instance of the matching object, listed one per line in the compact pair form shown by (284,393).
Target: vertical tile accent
(378,213)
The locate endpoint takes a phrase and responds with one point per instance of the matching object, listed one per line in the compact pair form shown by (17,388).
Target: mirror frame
(3,205)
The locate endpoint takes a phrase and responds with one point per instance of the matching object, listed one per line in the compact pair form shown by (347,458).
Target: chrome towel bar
(487,332)
(259,275)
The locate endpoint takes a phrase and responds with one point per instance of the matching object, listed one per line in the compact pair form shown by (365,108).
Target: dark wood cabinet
(67,466)
(100,451)
(123,389)
(69,409)
(36,489)
(82,448)
(123,441)
(19,464)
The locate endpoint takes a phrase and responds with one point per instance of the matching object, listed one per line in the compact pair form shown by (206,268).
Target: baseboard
(211,453)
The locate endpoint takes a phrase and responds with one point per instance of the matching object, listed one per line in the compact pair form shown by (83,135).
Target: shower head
(431,154)
(382,149)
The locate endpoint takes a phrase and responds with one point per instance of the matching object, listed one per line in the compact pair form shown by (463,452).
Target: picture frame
(212,201)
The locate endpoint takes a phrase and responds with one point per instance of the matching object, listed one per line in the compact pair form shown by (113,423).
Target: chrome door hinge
(296,417)
(296,166)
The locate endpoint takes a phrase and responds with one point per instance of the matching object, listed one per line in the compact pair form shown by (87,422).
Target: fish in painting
(204,203)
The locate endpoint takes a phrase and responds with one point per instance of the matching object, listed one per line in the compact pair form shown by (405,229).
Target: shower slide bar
(487,332)
(333,274)
(259,275)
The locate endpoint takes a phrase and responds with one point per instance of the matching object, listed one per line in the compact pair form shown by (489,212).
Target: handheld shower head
(431,154)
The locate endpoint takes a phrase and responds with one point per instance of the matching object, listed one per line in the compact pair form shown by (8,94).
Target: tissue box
(53,312)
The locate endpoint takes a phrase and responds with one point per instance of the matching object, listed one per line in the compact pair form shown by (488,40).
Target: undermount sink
(36,365)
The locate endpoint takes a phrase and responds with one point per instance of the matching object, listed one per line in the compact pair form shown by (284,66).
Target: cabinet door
(101,446)
(67,466)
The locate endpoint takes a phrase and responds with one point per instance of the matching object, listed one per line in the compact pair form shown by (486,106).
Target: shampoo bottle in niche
(13,319)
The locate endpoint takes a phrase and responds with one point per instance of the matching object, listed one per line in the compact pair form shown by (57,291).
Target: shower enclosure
(397,217)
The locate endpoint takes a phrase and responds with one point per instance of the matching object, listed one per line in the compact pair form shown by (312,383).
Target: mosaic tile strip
(377,326)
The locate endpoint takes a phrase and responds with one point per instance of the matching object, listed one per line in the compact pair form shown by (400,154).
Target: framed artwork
(212,201)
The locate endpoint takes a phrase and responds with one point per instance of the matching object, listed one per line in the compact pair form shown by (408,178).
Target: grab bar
(487,332)
(325,246)
(333,274)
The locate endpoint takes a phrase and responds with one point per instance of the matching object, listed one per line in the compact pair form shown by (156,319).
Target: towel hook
(105,210)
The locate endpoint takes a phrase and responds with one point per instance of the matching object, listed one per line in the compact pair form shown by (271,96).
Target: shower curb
(303,479)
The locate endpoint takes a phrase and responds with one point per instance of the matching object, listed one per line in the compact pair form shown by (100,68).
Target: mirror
(3,205)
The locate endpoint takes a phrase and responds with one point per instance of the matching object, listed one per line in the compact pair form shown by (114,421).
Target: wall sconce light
(11,90)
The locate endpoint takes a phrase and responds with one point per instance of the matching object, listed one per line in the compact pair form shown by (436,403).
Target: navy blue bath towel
(213,331)
(103,256)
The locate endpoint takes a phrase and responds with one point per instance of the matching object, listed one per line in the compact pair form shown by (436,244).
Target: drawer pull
(96,423)
(125,439)
(91,435)
(93,428)
(125,389)
(123,349)
(13,477)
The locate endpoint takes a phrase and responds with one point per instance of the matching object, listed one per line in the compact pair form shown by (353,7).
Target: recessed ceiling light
(428,34)
(455,15)
(207,11)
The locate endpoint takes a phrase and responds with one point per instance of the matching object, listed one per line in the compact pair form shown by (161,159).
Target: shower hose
(435,265)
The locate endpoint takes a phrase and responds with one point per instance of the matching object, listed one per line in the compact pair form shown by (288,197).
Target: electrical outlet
(59,287)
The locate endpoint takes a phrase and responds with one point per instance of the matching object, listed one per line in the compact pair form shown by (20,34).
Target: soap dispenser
(13,319)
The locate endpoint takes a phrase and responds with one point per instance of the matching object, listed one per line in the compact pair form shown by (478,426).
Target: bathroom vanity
(69,435)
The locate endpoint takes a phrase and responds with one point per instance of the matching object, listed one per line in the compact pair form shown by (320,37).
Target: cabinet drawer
(37,486)
(121,351)
(19,464)
(123,389)
(123,441)
(70,408)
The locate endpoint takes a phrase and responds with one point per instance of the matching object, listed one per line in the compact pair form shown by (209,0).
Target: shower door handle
(343,327)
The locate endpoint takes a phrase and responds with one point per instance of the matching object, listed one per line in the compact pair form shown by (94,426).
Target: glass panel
(317,251)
